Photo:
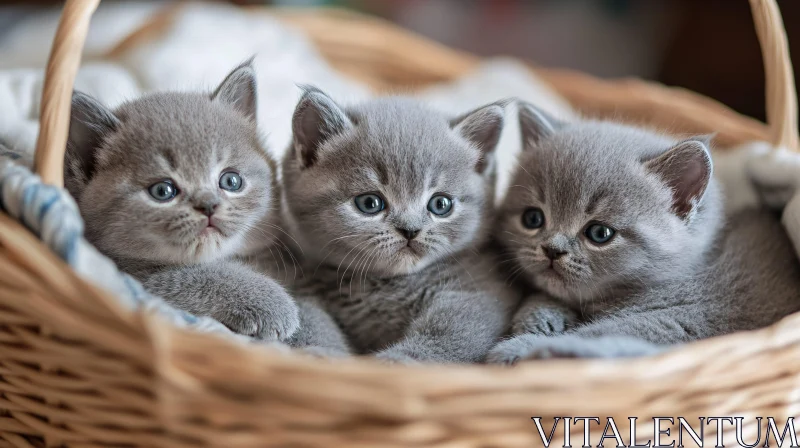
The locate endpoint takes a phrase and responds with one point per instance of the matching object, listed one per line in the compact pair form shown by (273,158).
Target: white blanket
(203,44)
(208,40)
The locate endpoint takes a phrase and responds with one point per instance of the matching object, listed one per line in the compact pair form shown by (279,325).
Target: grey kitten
(621,230)
(174,187)
(388,201)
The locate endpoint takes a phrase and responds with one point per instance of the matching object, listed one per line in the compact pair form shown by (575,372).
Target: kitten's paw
(511,351)
(527,347)
(544,319)
(273,316)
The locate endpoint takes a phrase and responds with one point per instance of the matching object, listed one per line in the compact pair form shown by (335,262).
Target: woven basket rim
(605,370)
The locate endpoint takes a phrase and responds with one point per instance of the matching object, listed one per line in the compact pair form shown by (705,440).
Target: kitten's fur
(190,138)
(431,298)
(669,275)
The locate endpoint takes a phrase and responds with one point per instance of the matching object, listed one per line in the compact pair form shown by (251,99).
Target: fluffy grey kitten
(621,231)
(175,187)
(388,201)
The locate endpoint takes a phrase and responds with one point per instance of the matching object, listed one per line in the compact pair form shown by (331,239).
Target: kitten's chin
(402,263)
(550,285)
(554,284)
(211,245)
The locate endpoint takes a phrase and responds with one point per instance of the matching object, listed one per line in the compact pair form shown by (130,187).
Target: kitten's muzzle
(408,234)
(205,202)
(207,209)
(552,252)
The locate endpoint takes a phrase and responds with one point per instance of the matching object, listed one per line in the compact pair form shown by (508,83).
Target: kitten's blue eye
(440,205)
(599,233)
(163,191)
(230,181)
(370,203)
(533,218)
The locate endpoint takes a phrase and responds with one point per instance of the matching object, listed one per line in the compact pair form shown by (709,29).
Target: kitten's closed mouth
(209,228)
(552,271)
(412,248)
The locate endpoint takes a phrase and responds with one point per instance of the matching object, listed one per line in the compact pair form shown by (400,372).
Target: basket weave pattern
(77,370)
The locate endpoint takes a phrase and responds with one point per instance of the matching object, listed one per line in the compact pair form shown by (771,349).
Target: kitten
(621,230)
(388,201)
(174,187)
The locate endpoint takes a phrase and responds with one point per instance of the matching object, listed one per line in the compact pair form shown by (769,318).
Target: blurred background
(708,46)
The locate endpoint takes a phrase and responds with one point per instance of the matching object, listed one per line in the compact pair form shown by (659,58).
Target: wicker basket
(78,371)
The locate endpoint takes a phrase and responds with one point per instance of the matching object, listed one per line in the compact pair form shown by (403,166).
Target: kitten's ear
(239,90)
(89,122)
(535,124)
(686,168)
(316,119)
(482,127)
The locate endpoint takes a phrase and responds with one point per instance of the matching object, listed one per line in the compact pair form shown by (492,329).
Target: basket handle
(781,96)
(59,80)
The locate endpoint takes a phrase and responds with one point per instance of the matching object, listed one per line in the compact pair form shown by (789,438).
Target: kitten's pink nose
(207,209)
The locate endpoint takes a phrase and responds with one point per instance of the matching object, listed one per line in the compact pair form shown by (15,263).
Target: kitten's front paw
(541,314)
(544,319)
(273,316)
(511,351)
(531,346)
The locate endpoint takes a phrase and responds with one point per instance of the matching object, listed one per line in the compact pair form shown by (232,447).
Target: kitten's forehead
(176,132)
(403,144)
(617,142)
(403,130)
(591,168)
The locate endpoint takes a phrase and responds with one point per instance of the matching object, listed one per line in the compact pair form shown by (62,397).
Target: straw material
(78,371)
(780,90)
(62,66)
